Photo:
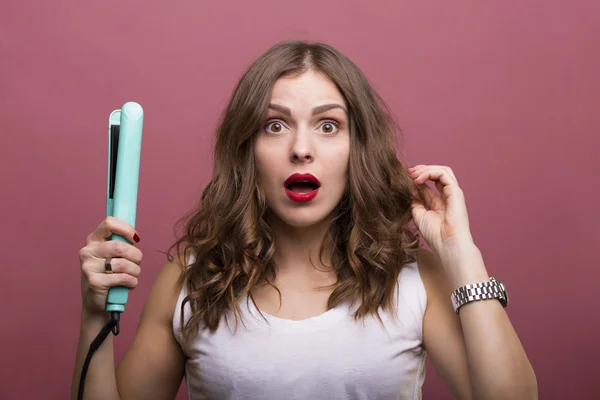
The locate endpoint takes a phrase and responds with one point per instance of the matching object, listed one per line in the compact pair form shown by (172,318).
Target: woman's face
(306,132)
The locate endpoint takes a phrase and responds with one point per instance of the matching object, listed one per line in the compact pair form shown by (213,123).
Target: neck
(297,248)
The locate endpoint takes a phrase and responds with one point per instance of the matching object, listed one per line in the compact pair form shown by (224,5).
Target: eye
(330,126)
(274,126)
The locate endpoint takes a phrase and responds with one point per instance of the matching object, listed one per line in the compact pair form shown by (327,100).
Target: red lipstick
(308,182)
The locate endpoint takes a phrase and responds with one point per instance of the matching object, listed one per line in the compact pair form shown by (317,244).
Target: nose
(302,147)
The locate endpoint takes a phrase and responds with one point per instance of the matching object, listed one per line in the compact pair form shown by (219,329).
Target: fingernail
(136,238)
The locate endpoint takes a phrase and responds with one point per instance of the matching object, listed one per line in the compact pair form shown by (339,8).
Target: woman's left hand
(443,221)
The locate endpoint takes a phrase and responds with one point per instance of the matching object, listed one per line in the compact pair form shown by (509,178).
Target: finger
(445,190)
(113,249)
(118,266)
(419,169)
(443,182)
(447,169)
(112,225)
(415,169)
(103,281)
(118,249)
(439,174)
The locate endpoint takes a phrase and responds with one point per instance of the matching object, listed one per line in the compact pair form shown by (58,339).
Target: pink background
(504,92)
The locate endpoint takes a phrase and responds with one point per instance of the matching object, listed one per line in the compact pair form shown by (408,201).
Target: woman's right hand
(126,261)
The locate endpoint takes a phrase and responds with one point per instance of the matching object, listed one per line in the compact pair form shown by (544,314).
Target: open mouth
(301,186)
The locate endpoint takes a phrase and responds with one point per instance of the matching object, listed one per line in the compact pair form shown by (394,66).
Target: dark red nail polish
(136,238)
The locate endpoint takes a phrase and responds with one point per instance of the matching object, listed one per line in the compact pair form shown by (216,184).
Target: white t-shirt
(330,356)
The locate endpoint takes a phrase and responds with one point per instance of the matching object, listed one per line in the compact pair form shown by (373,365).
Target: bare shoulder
(163,296)
(153,365)
(167,284)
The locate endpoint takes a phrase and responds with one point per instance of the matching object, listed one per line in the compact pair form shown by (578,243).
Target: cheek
(266,164)
(344,167)
(336,168)
(340,160)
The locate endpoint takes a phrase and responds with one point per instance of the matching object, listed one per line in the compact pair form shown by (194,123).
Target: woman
(300,277)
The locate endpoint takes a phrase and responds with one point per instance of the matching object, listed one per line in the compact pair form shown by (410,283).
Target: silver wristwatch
(494,289)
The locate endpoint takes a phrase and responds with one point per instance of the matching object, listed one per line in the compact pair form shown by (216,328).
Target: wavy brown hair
(370,237)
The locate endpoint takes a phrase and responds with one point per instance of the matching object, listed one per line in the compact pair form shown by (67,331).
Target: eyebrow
(315,111)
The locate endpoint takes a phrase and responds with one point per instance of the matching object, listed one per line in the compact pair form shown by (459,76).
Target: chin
(302,217)
(301,222)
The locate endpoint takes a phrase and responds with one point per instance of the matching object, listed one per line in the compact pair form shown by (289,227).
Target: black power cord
(112,325)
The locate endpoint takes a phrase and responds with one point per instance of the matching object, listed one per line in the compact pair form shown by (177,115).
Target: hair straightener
(124,153)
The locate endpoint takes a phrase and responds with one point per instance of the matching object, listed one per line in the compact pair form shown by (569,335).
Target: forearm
(100,381)
(498,365)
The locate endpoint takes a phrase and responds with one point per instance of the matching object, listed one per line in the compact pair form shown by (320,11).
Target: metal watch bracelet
(494,289)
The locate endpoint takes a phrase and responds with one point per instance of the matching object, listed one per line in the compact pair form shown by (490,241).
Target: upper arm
(153,365)
(442,332)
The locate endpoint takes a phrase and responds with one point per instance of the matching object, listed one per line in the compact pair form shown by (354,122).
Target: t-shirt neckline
(309,324)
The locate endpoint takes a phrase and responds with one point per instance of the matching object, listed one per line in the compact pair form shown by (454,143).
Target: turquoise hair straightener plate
(124,152)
